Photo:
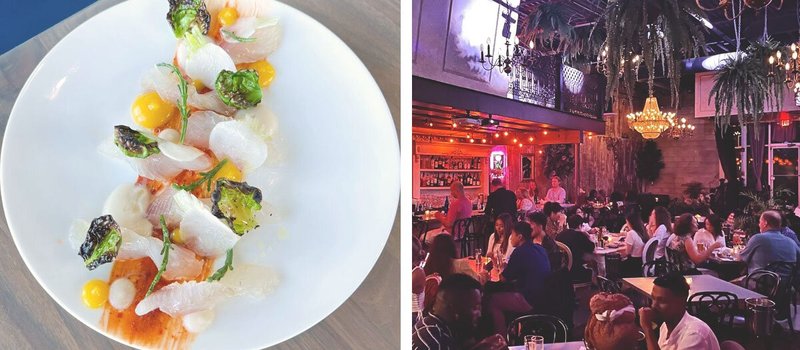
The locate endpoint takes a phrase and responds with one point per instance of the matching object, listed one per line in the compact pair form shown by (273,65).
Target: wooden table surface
(30,319)
(699,283)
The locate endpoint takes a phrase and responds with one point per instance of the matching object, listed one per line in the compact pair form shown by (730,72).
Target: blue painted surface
(21,20)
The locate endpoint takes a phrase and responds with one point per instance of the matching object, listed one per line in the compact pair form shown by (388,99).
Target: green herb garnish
(134,143)
(204,177)
(224,269)
(185,15)
(233,36)
(236,203)
(164,253)
(238,89)
(102,242)
(183,88)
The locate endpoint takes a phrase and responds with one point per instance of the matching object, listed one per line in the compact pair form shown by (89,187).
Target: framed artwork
(526,167)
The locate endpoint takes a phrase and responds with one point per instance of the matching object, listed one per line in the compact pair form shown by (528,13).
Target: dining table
(614,246)
(573,345)
(697,283)
(369,319)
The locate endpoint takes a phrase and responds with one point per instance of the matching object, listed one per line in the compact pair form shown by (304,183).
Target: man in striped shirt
(452,322)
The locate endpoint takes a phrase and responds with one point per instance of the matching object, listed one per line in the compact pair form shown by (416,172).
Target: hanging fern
(743,82)
(558,160)
(548,28)
(673,35)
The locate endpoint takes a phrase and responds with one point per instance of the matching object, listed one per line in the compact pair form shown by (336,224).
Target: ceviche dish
(195,132)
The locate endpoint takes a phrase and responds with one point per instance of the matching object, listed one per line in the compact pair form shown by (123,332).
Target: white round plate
(339,184)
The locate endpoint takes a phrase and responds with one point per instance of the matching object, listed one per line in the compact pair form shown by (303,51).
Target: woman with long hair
(442,259)
(499,249)
(524,201)
(417,279)
(712,232)
(681,248)
(661,226)
(634,245)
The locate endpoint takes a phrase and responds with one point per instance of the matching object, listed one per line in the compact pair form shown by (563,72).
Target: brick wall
(688,159)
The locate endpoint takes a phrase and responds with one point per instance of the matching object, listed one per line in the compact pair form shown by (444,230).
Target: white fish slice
(205,62)
(127,204)
(235,141)
(253,280)
(164,82)
(265,41)
(182,262)
(202,232)
(183,298)
(199,128)
(164,205)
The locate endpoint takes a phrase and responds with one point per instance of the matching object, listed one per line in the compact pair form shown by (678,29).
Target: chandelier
(790,65)
(651,122)
(515,57)
(681,128)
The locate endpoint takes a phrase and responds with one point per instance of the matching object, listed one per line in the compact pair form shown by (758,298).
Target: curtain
(782,134)
(757,151)
(726,150)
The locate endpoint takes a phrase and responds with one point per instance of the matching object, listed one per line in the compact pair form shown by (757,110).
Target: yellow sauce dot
(176,236)
(150,111)
(228,171)
(198,85)
(265,72)
(228,16)
(95,293)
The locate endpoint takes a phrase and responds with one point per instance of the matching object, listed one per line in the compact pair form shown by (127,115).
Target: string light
(515,140)
(483,141)
(544,132)
(505,133)
(530,139)
(430,124)
(540,151)
(454,124)
(451,140)
(496,135)
(520,144)
(471,140)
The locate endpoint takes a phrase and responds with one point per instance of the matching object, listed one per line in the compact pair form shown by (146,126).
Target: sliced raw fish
(266,41)
(205,62)
(260,119)
(254,280)
(183,298)
(235,141)
(164,82)
(202,232)
(182,262)
(199,128)
(198,321)
(127,204)
(245,8)
(164,205)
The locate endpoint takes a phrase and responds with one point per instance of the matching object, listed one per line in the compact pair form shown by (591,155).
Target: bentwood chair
(566,253)
(785,298)
(717,309)
(650,250)
(763,282)
(552,328)
(463,242)
(608,286)
(657,268)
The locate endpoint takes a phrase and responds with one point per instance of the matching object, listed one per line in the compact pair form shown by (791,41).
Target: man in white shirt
(679,330)
(556,193)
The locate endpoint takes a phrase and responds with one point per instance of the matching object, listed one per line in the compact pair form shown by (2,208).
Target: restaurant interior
(665,133)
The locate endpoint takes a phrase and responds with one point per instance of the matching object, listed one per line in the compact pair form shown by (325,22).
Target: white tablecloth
(574,345)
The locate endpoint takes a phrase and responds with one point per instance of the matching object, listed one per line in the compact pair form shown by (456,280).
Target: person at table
(524,200)
(593,197)
(460,208)
(417,279)
(770,245)
(712,232)
(681,249)
(678,330)
(634,245)
(556,220)
(499,248)
(442,259)
(452,322)
(527,269)
(556,193)
(538,221)
(581,247)
(500,201)
(661,225)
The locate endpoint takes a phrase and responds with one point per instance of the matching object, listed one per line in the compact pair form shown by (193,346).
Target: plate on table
(52,172)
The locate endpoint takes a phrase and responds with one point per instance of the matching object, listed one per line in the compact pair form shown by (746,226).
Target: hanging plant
(558,160)
(548,29)
(649,162)
(744,81)
(633,37)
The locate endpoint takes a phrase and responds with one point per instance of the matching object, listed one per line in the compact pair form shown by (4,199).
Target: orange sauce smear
(156,329)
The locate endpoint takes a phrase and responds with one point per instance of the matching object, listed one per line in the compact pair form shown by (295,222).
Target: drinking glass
(534,342)
(478,257)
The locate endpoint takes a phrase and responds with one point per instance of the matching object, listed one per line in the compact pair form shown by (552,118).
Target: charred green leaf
(237,204)
(133,143)
(102,242)
(185,15)
(239,89)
